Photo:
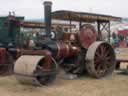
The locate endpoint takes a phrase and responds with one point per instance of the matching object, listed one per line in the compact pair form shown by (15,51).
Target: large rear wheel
(100,59)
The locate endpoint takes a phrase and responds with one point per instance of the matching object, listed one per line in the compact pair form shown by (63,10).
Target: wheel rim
(101,59)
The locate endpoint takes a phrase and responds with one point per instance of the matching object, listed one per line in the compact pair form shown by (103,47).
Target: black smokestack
(47,16)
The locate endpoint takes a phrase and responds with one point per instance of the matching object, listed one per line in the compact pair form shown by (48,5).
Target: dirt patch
(114,86)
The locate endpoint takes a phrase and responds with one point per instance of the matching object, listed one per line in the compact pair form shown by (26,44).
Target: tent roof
(82,16)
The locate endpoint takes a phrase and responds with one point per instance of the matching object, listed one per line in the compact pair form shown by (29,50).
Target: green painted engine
(8,30)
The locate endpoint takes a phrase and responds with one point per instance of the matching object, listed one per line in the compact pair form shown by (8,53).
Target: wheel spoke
(108,64)
(97,60)
(98,54)
(109,58)
(107,53)
(102,50)
(100,70)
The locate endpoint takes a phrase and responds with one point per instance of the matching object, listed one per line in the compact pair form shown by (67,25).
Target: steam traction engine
(76,53)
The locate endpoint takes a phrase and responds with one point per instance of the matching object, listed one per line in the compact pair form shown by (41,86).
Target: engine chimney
(47,16)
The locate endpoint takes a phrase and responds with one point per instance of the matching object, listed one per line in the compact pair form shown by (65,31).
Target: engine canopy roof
(83,16)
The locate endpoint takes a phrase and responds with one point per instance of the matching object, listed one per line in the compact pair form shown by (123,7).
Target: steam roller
(77,53)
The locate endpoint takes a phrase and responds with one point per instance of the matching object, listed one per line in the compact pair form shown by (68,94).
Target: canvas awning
(82,16)
(123,32)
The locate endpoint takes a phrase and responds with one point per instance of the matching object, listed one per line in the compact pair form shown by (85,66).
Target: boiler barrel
(60,49)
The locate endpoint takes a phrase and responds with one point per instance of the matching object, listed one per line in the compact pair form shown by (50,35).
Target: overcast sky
(34,8)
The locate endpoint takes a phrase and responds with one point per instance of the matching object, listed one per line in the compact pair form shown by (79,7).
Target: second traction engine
(76,53)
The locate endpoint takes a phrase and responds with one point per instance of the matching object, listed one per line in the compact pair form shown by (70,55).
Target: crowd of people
(119,41)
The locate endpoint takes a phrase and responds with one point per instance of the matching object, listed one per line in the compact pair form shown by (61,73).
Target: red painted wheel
(100,59)
(87,35)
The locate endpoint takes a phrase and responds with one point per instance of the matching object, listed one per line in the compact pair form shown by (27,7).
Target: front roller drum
(30,69)
(100,59)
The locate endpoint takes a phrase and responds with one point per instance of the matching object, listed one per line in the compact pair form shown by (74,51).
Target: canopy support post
(70,25)
(80,25)
(109,30)
(103,26)
(99,31)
